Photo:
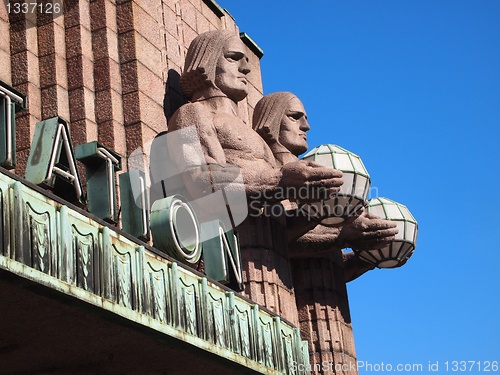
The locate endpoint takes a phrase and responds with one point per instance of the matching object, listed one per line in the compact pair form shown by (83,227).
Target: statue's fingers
(377,224)
(381,234)
(321,172)
(328,182)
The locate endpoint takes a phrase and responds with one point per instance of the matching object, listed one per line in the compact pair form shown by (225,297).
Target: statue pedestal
(266,265)
(324,317)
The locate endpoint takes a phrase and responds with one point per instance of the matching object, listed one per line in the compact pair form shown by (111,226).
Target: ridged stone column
(324,317)
(266,266)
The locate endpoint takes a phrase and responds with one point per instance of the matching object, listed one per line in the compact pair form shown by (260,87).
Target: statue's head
(216,60)
(280,118)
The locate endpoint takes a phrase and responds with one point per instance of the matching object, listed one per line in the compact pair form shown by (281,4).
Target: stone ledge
(250,43)
(216,8)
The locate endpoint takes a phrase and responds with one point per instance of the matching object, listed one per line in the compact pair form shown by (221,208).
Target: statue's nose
(244,67)
(304,125)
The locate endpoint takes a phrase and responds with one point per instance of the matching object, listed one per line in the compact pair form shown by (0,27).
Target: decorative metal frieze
(187,300)
(121,269)
(34,229)
(266,337)
(79,245)
(215,317)
(4,218)
(241,319)
(66,249)
(158,293)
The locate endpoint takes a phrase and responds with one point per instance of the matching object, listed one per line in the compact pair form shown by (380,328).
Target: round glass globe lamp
(352,196)
(398,251)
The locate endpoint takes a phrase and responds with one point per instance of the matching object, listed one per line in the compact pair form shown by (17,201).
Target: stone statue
(281,120)
(320,270)
(215,80)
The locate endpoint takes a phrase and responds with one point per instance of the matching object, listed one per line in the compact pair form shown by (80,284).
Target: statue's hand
(368,232)
(317,182)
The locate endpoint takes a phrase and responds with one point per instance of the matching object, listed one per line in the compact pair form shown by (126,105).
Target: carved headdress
(201,60)
(268,114)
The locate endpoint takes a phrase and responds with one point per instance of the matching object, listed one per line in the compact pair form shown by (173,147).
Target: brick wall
(5,73)
(108,67)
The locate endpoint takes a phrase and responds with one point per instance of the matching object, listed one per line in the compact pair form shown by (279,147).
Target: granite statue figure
(281,120)
(215,80)
(320,269)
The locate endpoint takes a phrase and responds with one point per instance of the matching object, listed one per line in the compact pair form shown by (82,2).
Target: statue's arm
(319,240)
(322,240)
(366,232)
(354,266)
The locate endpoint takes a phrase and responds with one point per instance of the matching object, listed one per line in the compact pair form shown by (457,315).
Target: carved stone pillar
(324,316)
(266,265)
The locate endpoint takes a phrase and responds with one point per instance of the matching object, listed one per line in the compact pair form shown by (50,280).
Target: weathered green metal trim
(101,166)
(62,248)
(134,209)
(11,177)
(216,8)
(250,43)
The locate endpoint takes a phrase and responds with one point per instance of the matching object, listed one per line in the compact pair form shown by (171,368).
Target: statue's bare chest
(236,136)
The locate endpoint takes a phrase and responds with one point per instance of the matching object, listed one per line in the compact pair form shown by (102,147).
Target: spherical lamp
(353,193)
(398,251)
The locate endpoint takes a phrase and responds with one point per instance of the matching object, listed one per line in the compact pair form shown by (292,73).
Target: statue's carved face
(293,127)
(232,69)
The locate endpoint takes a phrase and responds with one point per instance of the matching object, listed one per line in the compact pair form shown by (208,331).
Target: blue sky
(413,87)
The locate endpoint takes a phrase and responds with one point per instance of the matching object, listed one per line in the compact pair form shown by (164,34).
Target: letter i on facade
(11,102)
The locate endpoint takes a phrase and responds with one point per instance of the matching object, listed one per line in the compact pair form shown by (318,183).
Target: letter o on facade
(175,229)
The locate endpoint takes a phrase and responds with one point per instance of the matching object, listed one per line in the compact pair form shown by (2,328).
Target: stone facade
(111,68)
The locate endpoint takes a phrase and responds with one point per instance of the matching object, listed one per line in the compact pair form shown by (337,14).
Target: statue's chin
(239,95)
(236,94)
(301,149)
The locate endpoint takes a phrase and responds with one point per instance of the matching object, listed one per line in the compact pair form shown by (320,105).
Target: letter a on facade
(51,163)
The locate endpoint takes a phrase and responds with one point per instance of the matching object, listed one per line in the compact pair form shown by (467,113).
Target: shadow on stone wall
(173,98)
